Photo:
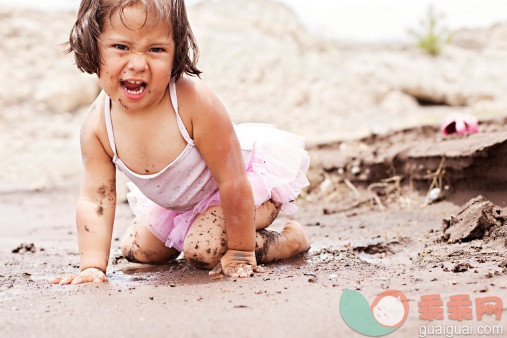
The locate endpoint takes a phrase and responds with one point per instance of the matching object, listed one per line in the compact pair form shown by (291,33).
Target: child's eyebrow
(127,42)
(116,40)
(159,43)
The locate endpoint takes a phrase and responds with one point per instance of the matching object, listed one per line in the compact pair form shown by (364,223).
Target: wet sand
(361,247)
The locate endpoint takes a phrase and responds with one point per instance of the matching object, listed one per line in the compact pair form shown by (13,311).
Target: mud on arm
(97,200)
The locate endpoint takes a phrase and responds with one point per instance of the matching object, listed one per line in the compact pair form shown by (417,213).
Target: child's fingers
(67,280)
(245,270)
(230,271)
(55,280)
(100,279)
(90,278)
(83,279)
(242,270)
(249,270)
(216,270)
(258,269)
(86,277)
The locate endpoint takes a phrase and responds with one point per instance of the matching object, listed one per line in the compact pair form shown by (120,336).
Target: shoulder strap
(174,101)
(109,125)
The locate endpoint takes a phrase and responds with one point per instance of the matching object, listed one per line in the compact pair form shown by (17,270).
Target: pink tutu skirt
(277,170)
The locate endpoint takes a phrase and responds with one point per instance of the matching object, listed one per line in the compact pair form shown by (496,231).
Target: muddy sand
(371,226)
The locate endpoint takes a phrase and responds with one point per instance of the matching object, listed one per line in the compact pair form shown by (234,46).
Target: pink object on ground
(459,123)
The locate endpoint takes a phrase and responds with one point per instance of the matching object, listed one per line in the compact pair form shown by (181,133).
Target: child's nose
(137,61)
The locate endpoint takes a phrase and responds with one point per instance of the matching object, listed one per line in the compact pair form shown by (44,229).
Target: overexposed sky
(359,20)
(389,20)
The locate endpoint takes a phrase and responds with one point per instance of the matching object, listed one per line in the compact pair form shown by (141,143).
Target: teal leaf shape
(356,312)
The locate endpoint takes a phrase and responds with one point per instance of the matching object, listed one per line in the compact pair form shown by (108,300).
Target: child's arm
(96,205)
(214,136)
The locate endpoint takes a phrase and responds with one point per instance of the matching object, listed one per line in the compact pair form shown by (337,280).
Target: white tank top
(185,181)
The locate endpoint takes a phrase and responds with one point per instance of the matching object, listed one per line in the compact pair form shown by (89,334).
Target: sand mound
(460,166)
(478,219)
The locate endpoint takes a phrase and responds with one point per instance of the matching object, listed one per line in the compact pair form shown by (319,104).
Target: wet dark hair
(92,17)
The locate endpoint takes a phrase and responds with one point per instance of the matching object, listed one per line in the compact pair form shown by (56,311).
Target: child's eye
(120,47)
(157,50)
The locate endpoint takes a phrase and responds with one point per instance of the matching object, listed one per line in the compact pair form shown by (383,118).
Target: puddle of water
(174,273)
(180,272)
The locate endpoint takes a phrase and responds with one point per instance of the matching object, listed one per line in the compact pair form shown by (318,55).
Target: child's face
(137,59)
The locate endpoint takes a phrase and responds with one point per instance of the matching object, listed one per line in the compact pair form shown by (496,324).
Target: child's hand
(86,276)
(236,263)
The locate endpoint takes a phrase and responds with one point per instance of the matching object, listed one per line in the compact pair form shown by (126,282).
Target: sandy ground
(356,244)
(366,212)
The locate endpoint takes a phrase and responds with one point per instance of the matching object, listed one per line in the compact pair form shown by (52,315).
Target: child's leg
(140,245)
(206,240)
(272,246)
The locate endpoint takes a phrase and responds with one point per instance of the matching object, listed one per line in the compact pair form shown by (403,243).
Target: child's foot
(296,237)
(273,246)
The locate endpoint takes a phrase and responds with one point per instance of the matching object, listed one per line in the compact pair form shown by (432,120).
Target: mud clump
(373,249)
(378,246)
(461,267)
(118,259)
(24,247)
(478,219)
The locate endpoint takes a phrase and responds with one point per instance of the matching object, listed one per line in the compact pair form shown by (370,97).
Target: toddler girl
(200,184)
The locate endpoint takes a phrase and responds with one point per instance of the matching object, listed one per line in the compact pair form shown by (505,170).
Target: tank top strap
(109,126)
(174,101)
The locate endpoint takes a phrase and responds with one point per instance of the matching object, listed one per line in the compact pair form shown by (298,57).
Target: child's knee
(131,250)
(141,246)
(203,254)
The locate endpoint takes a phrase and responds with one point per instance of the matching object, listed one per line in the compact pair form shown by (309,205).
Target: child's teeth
(135,92)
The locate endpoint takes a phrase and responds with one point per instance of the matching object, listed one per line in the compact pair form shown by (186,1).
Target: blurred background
(329,70)
(355,20)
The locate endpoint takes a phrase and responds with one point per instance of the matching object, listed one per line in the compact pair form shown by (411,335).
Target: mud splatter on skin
(123,105)
(195,262)
(100,210)
(240,257)
(275,212)
(275,208)
(134,249)
(130,256)
(106,191)
(268,239)
(102,190)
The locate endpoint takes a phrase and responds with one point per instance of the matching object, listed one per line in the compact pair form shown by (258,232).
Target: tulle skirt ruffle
(276,170)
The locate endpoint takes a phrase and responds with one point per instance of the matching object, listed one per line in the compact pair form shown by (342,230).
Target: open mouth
(133,87)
